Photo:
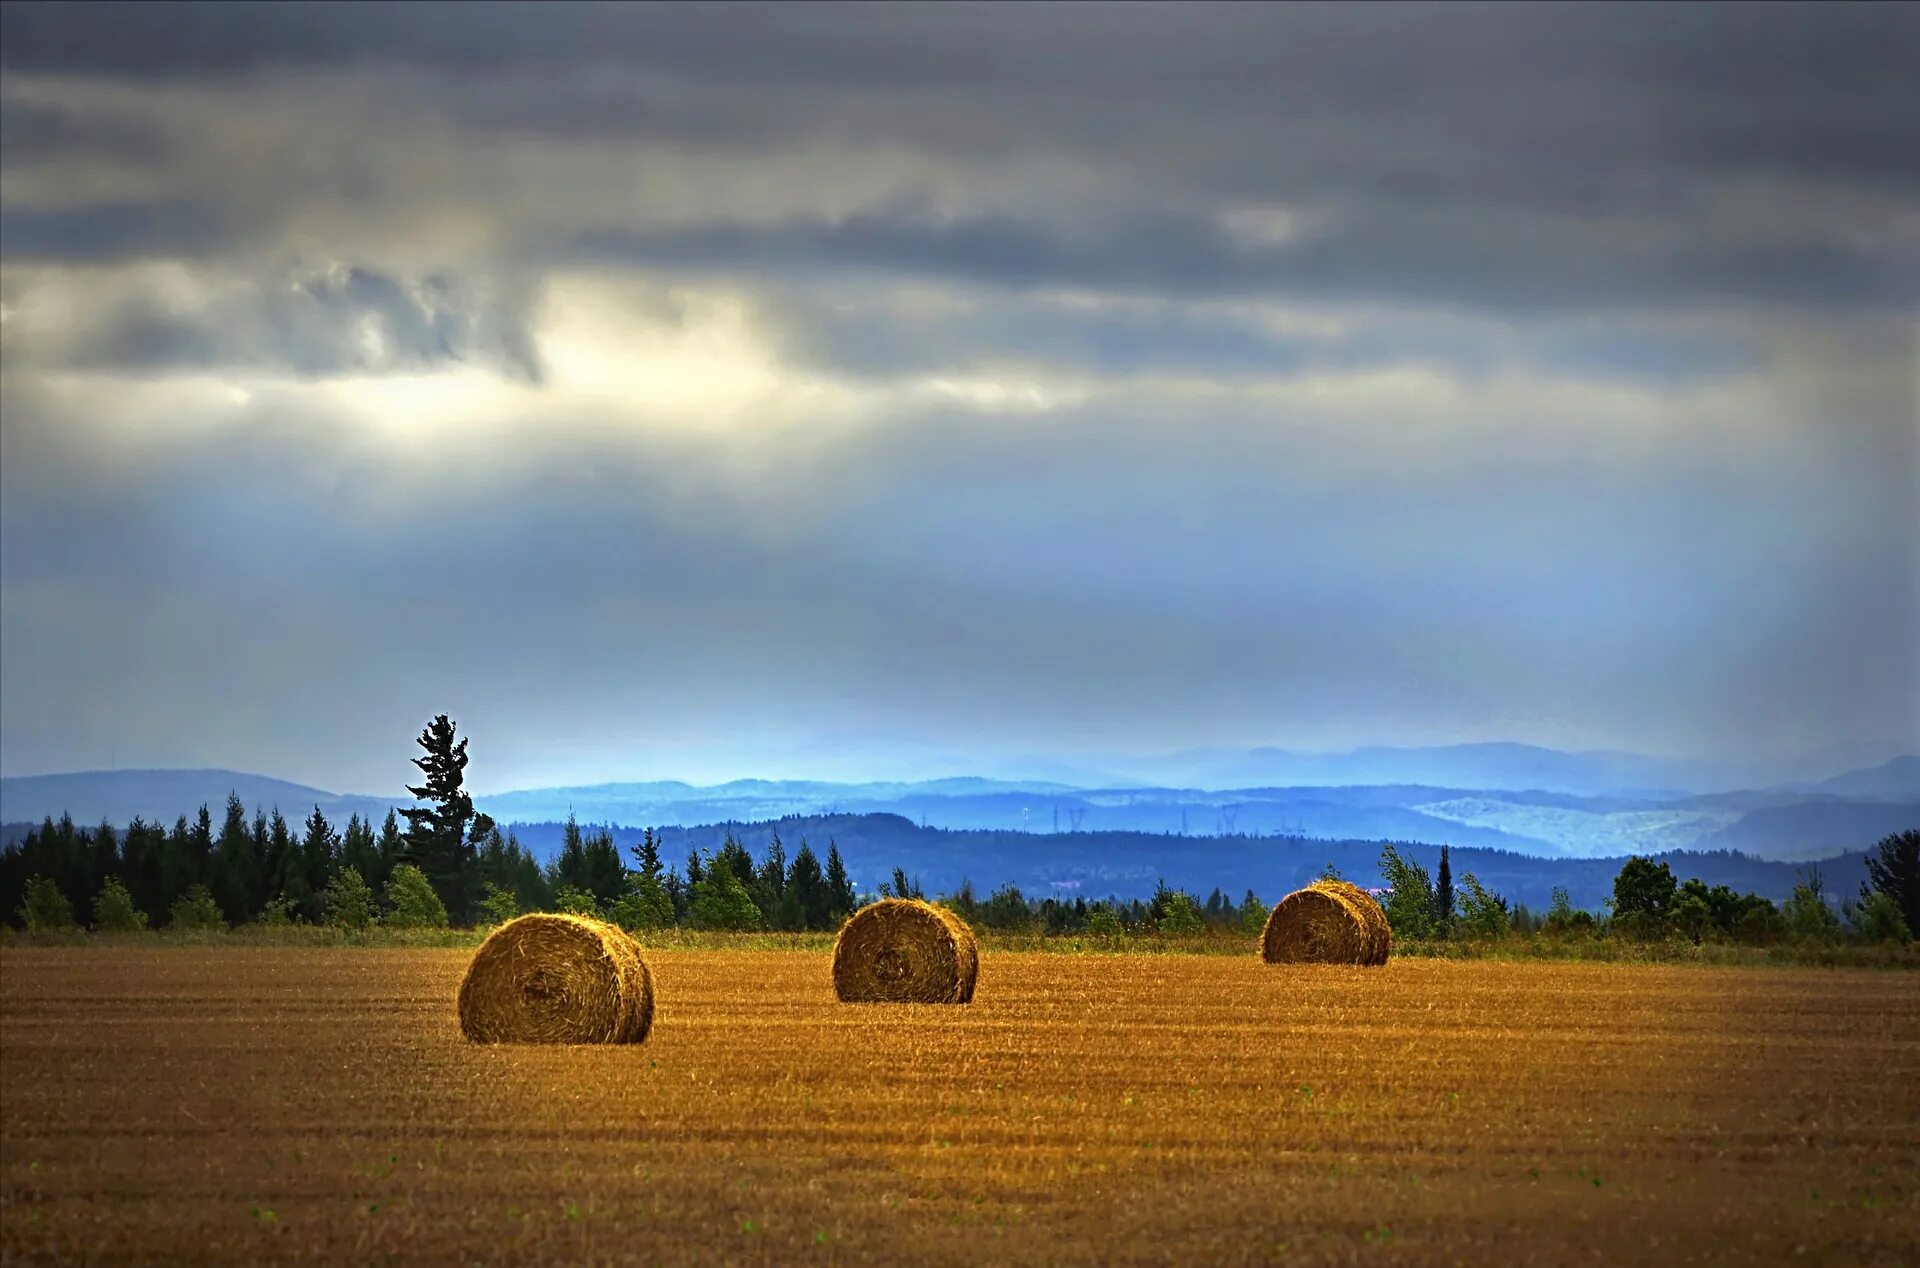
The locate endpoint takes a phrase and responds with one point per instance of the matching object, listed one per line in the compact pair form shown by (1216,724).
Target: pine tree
(143,863)
(317,861)
(570,865)
(443,834)
(1443,894)
(530,889)
(606,875)
(646,856)
(358,850)
(200,849)
(734,857)
(840,895)
(806,892)
(177,870)
(103,856)
(770,883)
(494,868)
(392,846)
(238,885)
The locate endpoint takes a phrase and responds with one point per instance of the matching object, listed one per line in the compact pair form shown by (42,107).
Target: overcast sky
(707,392)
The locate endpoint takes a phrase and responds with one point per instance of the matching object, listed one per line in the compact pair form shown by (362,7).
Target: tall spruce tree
(391,846)
(443,835)
(839,887)
(238,885)
(646,856)
(807,890)
(319,852)
(358,850)
(200,848)
(1443,894)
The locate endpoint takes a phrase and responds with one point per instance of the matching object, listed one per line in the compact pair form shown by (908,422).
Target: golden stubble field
(248,1105)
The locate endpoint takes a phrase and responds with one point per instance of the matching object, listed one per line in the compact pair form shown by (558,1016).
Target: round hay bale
(1315,925)
(904,951)
(549,978)
(1379,932)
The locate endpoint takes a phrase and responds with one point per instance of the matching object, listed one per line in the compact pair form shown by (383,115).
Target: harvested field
(247,1105)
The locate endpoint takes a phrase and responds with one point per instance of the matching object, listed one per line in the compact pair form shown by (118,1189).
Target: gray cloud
(107,232)
(1398,257)
(1401,373)
(336,321)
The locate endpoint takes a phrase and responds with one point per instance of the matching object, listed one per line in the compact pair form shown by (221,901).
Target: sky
(891,391)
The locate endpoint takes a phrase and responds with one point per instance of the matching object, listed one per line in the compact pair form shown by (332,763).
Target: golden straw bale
(1379,932)
(548,978)
(1315,925)
(904,951)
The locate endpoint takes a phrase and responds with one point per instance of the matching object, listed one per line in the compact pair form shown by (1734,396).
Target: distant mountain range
(1846,812)
(1493,766)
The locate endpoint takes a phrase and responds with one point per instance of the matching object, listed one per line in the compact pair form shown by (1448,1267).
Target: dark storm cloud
(1379,257)
(1399,373)
(1524,158)
(32,131)
(110,232)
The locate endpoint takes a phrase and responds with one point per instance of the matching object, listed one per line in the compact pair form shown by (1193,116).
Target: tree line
(451,865)
(261,870)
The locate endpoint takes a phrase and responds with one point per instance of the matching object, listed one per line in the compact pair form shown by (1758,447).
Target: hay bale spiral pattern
(550,978)
(1379,932)
(1328,922)
(904,951)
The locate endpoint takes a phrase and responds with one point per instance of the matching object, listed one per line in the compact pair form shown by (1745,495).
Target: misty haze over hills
(1506,797)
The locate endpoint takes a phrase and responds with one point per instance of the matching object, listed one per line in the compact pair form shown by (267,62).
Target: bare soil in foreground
(250,1105)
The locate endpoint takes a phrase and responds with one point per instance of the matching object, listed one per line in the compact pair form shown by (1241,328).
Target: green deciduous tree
(46,908)
(576,901)
(1643,894)
(720,901)
(1410,904)
(1178,915)
(1252,915)
(1877,917)
(196,909)
(348,901)
(1007,909)
(498,905)
(645,905)
(1691,915)
(114,910)
(281,910)
(1807,915)
(411,900)
(1483,913)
